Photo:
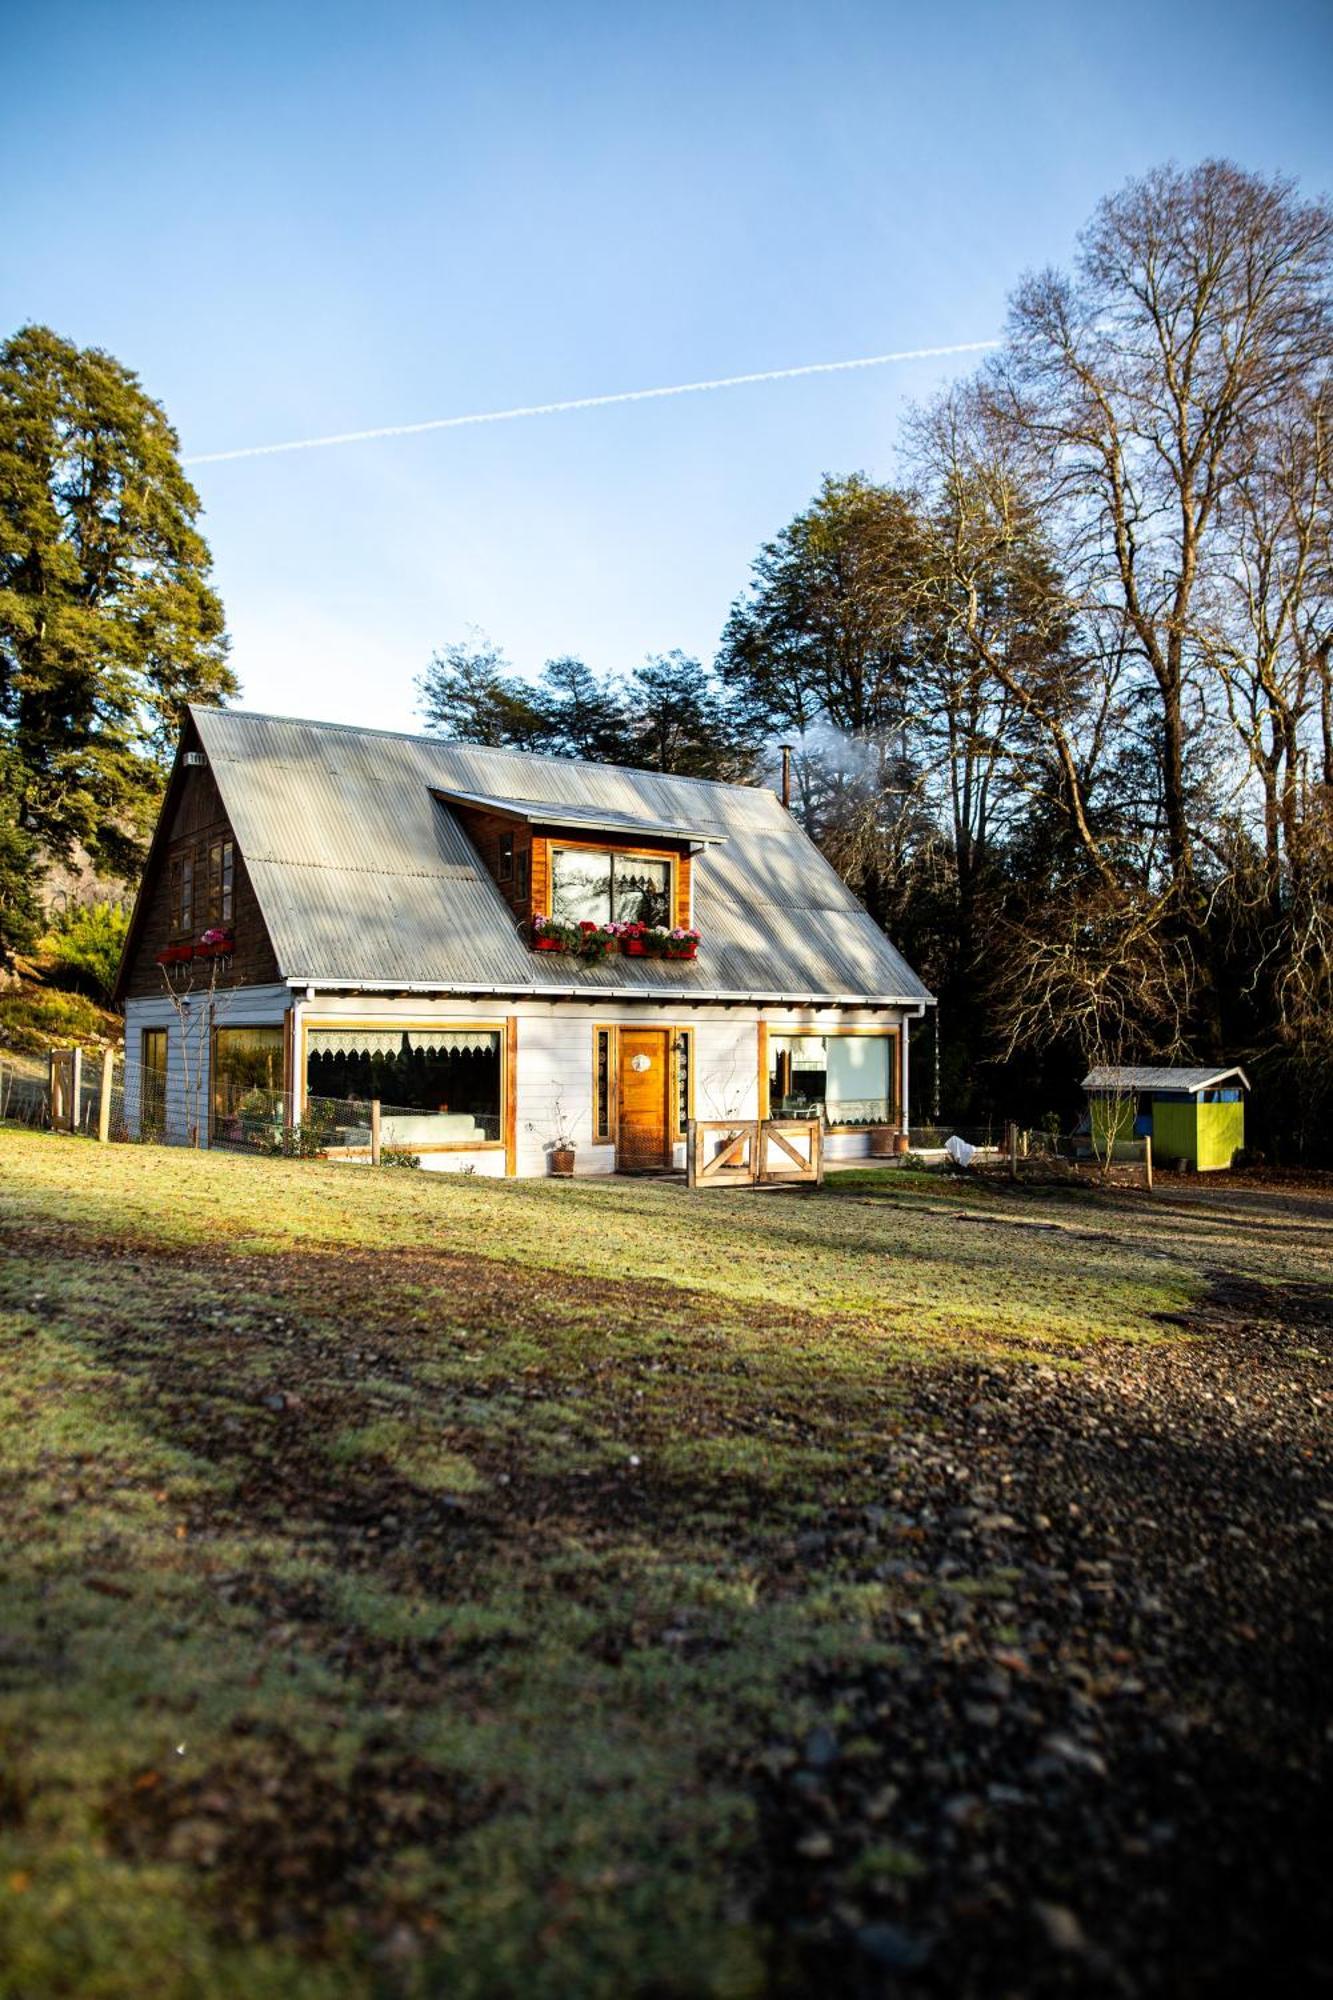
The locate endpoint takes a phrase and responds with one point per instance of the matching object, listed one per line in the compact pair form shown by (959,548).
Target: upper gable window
(505,864)
(221,881)
(589,885)
(181,895)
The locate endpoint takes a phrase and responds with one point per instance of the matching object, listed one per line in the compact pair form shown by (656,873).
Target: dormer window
(592,885)
(505,862)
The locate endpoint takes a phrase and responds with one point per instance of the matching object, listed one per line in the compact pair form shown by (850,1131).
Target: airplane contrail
(587,403)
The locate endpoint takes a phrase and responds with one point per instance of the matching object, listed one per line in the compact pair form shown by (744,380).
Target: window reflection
(599,888)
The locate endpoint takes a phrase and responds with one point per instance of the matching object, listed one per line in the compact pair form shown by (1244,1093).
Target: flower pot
(634,948)
(562,1161)
(882,1141)
(176,954)
(902,1143)
(548,944)
(682,951)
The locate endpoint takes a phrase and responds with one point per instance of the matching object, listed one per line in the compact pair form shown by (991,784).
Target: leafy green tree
(677,719)
(469,695)
(20,916)
(85,944)
(108,621)
(585,716)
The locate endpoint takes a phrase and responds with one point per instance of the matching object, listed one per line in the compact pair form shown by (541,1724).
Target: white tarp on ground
(959,1151)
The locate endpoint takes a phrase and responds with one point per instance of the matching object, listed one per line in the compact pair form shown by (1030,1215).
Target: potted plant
(682,942)
(559,1138)
(632,940)
(176,954)
(216,943)
(549,934)
(596,940)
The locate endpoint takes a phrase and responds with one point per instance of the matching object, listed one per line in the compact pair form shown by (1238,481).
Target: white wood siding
(555,1065)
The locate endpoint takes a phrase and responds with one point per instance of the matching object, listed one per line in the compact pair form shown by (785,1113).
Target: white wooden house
(346,914)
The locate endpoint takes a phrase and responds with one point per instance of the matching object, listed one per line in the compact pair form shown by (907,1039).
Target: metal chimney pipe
(786,774)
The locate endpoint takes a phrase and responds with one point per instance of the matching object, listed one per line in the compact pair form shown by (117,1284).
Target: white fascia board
(621,995)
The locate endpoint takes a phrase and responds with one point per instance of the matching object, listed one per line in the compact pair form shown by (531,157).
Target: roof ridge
(487,749)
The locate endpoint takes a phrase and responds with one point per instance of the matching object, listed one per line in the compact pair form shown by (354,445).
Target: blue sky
(300,219)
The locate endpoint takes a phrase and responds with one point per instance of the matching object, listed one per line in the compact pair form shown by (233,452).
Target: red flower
(587,928)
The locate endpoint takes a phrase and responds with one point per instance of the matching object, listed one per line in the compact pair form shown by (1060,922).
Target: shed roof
(1150,1078)
(367,880)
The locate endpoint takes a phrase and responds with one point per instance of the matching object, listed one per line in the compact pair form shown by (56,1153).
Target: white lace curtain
(392,1041)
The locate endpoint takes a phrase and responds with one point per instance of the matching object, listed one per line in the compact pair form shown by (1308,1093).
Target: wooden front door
(643,1141)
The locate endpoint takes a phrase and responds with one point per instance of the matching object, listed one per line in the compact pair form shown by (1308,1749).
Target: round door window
(641,1063)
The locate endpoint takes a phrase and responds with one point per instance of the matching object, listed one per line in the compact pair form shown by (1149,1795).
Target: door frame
(666,1035)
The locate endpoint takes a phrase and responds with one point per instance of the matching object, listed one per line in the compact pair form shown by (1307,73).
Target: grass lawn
(415,1584)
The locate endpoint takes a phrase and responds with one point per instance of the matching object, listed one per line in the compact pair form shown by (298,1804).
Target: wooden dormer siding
(488,831)
(194,820)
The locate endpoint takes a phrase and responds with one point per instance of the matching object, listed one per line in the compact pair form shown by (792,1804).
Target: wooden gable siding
(197,819)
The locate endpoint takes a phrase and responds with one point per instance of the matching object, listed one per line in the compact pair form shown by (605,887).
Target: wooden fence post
(104,1101)
(1013,1149)
(374,1131)
(75,1088)
(1147,1160)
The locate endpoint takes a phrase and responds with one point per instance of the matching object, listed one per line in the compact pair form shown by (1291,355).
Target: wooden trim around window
(509,1093)
(612,1033)
(681,1037)
(679,864)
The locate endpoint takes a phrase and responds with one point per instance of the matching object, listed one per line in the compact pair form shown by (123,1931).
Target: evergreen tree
(108,621)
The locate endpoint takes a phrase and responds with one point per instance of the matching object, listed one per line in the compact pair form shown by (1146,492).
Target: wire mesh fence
(1085,1156)
(127,1101)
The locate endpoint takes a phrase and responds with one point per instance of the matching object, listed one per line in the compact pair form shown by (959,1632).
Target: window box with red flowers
(176,954)
(216,943)
(682,943)
(585,940)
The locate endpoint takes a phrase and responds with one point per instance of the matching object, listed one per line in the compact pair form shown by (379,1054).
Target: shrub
(398,1156)
(84,946)
(34,1019)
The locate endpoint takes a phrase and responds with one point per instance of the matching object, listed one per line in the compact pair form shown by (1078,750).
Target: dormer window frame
(615,850)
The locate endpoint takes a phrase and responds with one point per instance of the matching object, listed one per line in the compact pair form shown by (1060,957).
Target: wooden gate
(754,1152)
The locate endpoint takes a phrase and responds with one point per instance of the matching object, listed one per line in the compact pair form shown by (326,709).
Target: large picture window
(439,1087)
(247,1082)
(589,885)
(843,1079)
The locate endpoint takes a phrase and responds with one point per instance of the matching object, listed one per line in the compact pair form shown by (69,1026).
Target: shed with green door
(1194,1115)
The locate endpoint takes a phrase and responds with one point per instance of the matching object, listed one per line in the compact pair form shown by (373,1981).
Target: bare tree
(1198,311)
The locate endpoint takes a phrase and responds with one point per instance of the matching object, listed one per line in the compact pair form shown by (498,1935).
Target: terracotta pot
(881,1141)
(562,1161)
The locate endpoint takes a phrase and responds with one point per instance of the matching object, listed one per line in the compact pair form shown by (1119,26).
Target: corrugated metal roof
(365,877)
(1146,1077)
(533,813)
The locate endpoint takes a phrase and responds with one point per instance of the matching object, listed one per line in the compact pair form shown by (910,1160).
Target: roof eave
(595,995)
